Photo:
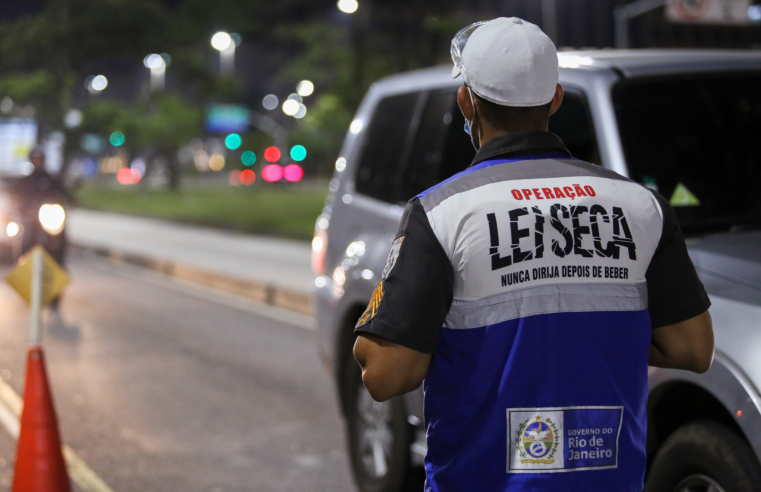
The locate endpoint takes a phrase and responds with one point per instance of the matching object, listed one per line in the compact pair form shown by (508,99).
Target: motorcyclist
(32,191)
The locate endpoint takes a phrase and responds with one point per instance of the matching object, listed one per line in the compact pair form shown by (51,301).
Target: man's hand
(389,369)
(686,345)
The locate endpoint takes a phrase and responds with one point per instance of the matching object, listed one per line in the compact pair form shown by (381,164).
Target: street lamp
(157,66)
(225,44)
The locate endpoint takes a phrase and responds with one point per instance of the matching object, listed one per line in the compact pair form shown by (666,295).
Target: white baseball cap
(507,61)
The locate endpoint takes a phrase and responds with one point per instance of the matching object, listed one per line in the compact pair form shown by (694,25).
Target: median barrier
(266,293)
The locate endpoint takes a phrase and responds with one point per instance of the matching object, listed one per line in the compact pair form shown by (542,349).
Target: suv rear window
(414,141)
(697,142)
(384,145)
(573,124)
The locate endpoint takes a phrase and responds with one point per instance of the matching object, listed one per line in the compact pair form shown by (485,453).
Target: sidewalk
(275,271)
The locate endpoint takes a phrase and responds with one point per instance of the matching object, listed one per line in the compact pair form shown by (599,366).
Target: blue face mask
(472,139)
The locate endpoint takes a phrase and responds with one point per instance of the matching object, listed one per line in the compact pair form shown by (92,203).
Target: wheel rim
(698,483)
(376,436)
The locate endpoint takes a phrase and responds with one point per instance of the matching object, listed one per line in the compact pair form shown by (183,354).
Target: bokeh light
(301,112)
(270,102)
(127,176)
(201,160)
(154,61)
(12,229)
(247,177)
(348,6)
(72,119)
(293,172)
(235,178)
(272,154)
(272,173)
(233,141)
(298,153)
(52,218)
(98,83)
(356,126)
(216,162)
(291,107)
(305,88)
(221,41)
(248,158)
(117,138)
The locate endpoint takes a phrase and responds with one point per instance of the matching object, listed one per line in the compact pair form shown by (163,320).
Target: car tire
(379,437)
(704,456)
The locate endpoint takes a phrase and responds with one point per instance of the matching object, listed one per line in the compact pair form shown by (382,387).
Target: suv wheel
(704,456)
(379,437)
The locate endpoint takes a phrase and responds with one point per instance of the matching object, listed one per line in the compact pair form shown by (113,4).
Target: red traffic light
(272,154)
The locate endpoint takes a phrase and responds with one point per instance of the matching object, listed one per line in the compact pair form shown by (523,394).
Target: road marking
(82,475)
(204,293)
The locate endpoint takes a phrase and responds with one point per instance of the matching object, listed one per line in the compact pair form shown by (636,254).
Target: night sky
(10,9)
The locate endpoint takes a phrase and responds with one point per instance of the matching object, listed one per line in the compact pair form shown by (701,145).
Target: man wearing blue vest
(530,292)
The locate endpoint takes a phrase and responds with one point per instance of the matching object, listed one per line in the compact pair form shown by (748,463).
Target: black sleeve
(412,300)
(674,290)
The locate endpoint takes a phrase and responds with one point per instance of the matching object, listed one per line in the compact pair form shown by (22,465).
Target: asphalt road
(165,387)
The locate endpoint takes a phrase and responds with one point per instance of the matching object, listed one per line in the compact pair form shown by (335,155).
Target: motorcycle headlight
(52,218)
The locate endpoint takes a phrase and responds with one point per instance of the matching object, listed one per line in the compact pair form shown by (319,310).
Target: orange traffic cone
(39,460)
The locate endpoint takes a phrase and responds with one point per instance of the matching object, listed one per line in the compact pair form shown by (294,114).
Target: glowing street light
(348,6)
(291,107)
(221,41)
(96,84)
(225,44)
(305,88)
(157,66)
(270,102)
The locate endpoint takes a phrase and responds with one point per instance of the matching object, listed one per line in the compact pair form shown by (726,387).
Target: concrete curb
(300,302)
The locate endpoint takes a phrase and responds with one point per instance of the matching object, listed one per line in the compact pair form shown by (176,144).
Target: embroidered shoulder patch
(375,300)
(372,308)
(393,255)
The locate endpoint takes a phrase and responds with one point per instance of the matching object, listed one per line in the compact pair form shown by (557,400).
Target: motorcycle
(45,224)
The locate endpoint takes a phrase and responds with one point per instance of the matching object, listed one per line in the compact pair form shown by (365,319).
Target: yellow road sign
(54,278)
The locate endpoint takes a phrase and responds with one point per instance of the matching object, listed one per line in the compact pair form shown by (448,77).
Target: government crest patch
(566,439)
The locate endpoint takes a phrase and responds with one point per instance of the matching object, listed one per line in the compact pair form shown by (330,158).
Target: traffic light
(298,153)
(248,158)
(117,138)
(233,141)
(272,154)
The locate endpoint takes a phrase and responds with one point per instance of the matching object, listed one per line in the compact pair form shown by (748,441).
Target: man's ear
(466,105)
(557,99)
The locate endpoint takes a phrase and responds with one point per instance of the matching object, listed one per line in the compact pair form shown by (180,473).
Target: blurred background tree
(49,48)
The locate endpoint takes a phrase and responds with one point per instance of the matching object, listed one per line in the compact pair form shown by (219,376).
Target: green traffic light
(117,138)
(298,153)
(233,141)
(248,158)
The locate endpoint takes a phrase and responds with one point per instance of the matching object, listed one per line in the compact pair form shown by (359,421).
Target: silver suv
(687,123)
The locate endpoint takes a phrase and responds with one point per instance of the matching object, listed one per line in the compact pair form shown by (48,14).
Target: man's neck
(490,132)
